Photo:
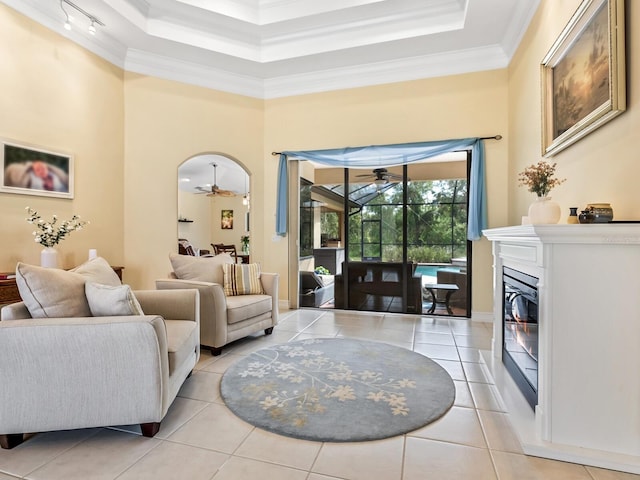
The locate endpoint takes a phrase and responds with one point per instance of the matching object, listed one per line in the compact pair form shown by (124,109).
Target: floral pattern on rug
(316,378)
(303,386)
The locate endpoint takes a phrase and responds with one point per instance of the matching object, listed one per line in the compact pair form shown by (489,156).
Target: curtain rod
(495,137)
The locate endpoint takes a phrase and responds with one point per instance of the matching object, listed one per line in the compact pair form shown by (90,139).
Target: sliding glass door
(402,229)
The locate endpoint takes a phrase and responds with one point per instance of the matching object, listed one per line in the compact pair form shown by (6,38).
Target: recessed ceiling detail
(274,48)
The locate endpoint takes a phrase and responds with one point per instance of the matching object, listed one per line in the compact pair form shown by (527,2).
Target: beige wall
(602,167)
(228,236)
(166,123)
(59,96)
(432,109)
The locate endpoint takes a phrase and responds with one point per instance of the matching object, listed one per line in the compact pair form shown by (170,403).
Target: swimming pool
(431,270)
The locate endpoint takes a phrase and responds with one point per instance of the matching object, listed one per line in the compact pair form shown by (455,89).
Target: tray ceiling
(276,48)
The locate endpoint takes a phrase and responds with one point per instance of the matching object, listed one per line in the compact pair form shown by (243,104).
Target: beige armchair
(81,372)
(224,318)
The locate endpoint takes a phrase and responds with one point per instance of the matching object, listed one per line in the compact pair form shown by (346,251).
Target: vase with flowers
(540,179)
(49,234)
(244,240)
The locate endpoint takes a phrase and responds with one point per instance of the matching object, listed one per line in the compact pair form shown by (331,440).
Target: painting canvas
(32,170)
(583,84)
(226,222)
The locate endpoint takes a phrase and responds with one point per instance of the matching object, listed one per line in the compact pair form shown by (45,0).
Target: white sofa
(84,371)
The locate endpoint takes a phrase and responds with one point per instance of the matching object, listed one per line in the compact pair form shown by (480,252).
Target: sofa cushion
(181,341)
(242,279)
(109,300)
(202,269)
(244,307)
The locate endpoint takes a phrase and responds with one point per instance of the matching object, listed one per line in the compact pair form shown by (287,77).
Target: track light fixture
(92,18)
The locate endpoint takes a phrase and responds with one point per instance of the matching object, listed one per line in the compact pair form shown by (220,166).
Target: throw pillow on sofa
(109,300)
(202,269)
(242,279)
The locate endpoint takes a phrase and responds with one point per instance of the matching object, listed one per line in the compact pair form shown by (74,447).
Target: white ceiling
(276,48)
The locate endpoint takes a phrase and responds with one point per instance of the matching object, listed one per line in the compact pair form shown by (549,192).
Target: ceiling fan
(214,190)
(381,176)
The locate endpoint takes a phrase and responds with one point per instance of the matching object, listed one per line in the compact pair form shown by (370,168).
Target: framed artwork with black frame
(32,170)
(583,75)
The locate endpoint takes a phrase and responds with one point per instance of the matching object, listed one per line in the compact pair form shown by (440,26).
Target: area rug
(337,390)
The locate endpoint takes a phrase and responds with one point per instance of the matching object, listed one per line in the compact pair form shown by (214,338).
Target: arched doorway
(213,201)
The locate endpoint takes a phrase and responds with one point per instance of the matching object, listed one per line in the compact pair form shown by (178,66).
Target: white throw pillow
(109,300)
(202,269)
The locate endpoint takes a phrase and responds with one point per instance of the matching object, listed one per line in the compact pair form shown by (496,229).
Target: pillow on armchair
(202,269)
(242,279)
(55,293)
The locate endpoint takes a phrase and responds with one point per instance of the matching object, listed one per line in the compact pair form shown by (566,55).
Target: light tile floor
(201,439)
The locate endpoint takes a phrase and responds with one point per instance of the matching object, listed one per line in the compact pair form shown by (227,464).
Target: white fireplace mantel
(589,341)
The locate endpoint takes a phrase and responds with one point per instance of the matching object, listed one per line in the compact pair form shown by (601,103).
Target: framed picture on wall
(226,221)
(31,170)
(583,75)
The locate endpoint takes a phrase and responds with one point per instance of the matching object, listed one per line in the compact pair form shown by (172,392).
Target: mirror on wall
(214,200)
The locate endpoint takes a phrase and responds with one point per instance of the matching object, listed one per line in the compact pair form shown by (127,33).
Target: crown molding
(190,73)
(452,63)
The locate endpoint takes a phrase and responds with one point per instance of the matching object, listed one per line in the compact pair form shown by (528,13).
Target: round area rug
(337,390)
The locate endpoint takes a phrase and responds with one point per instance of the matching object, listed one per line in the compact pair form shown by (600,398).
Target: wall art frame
(583,76)
(226,220)
(32,170)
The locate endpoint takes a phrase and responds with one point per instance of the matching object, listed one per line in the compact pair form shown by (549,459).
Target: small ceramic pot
(602,212)
(586,216)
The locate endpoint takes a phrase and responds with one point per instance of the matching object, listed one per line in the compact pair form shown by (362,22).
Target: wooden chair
(222,248)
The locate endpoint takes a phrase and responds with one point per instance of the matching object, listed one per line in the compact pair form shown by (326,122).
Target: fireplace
(520,331)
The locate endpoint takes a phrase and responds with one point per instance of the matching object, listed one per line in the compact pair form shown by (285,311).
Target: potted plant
(540,179)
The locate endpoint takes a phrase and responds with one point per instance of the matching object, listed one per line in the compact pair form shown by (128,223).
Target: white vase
(49,257)
(544,210)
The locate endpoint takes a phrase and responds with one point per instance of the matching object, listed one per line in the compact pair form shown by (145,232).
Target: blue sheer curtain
(390,155)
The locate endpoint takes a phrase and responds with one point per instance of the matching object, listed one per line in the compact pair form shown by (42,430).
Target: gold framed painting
(583,75)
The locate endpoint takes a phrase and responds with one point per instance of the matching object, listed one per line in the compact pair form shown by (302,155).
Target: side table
(433,288)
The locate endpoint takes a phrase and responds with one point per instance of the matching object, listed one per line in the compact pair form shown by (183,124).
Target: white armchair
(80,372)
(224,318)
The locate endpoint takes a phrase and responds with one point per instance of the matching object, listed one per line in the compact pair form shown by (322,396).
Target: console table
(9,289)
(589,341)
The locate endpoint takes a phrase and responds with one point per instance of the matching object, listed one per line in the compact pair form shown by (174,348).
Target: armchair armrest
(14,311)
(270,283)
(213,306)
(95,371)
(175,304)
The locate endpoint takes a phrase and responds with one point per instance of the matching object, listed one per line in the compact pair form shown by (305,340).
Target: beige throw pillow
(243,279)
(202,269)
(109,300)
(98,270)
(54,293)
